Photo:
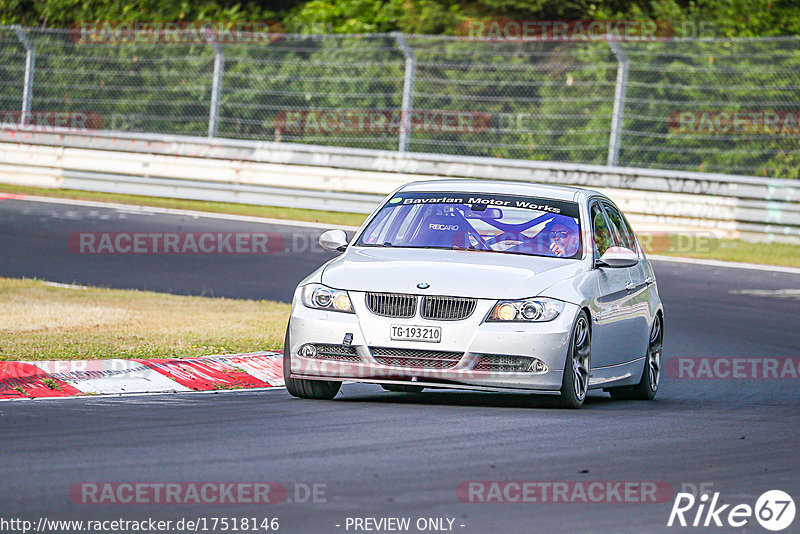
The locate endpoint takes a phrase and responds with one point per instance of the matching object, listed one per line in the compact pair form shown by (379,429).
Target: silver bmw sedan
(482,285)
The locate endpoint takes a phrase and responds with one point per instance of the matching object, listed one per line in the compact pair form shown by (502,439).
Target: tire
(647,387)
(305,389)
(401,388)
(575,382)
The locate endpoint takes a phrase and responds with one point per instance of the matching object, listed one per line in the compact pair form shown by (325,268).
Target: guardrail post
(408,91)
(619,102)
(30,65)
(216,84)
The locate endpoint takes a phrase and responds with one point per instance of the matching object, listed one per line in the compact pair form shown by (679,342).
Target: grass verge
(41,322)
(274,212)
(782,254)
(721,249)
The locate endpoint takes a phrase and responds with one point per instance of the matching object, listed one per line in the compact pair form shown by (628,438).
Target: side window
(602,235)
(619,227)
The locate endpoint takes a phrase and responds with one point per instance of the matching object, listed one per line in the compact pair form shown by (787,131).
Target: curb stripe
(20,380)
(117,376)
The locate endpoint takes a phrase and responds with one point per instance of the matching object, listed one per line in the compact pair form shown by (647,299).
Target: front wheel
(575,382)
(647,387)
(305,389)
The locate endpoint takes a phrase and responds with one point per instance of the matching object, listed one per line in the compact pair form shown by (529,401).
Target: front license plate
(431,334)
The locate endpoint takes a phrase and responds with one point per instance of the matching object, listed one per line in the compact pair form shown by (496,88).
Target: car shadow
(466,398)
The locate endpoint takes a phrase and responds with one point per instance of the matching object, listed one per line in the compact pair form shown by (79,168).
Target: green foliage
(722,18)
(63,13)
(343,16)
(546,101)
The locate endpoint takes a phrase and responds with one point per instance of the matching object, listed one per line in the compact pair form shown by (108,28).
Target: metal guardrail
(353,180)
(219,192)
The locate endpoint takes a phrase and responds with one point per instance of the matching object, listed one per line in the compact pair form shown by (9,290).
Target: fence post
(216,84)
(30,65)
(619,102)
(408,91)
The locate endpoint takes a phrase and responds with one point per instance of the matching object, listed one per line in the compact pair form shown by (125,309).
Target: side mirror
(619,257)
(333,240)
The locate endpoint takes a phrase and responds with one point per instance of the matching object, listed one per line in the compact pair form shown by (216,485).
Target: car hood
(448,272)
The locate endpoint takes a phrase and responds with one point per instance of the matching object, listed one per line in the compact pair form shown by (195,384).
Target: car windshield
(508,224)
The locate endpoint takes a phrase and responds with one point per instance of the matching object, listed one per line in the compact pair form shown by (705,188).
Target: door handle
(649,280)
(630,286)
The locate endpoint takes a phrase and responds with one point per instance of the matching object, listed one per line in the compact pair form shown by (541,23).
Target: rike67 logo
(774,510)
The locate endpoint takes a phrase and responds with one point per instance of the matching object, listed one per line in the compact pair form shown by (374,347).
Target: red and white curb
(118,376)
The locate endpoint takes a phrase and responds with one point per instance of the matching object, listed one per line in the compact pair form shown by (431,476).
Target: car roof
(556,192)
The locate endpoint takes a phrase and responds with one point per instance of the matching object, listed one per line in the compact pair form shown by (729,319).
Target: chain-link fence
(717,105)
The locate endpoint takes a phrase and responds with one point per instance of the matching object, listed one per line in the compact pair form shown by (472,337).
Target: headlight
(324,298)
(528,310)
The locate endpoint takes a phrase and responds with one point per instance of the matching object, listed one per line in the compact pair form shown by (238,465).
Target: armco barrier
(353,180)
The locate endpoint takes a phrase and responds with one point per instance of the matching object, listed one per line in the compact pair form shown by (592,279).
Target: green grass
(42,322)
(295,214)
(782,254)
(52,384)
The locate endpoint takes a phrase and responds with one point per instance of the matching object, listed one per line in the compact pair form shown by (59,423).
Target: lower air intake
(424,359)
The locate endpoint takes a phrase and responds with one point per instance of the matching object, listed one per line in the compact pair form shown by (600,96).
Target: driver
(563,240)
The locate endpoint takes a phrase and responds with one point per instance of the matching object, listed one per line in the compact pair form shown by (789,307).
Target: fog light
(308,351)
(537,366)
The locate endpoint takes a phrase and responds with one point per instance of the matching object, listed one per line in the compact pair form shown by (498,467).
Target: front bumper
(471,339)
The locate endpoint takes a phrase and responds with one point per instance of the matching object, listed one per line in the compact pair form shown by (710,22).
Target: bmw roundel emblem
(423,285)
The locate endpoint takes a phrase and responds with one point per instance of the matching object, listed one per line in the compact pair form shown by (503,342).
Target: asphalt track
(397,455)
